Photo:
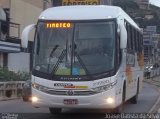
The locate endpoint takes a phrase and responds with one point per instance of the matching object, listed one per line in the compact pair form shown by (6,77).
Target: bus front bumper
(105,100)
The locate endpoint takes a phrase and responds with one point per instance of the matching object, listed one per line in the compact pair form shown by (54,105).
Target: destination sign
(80,2)
(58,25)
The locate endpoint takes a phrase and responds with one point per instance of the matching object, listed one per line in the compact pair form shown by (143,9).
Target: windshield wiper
(51,55)
(58,62)
(53,50)
(83,65)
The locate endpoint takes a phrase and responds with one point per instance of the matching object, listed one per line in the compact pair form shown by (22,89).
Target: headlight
(34,99)
(105,87)
(39,87)
(110,100)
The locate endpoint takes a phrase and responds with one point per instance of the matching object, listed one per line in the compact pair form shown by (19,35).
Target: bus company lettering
(71,78)
(101,83)
(80,2)
(69,85)
(63,84)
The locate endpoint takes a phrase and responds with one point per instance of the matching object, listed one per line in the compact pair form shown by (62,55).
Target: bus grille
(70,92)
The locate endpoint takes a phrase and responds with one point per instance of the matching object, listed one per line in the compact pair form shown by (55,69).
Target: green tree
(126,4)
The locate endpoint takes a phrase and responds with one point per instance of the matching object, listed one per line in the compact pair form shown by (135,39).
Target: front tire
(55,110)
(25,99)
(118,109)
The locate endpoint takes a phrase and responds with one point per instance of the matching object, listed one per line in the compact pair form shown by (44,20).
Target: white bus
(85,57)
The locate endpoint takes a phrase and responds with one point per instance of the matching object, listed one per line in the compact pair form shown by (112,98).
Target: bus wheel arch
(124,92)
(134,99)
(119,109)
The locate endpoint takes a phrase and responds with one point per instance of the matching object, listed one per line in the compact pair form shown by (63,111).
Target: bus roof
(85,12)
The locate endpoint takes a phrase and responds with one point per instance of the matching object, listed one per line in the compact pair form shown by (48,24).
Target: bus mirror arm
(123,36)
(25,35)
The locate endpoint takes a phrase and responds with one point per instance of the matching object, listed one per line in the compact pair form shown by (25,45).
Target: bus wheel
(118,109)
(134,99)
(25,99)
(55,110)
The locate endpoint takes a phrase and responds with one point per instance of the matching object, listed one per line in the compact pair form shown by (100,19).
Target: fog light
(110,100)
(34,99)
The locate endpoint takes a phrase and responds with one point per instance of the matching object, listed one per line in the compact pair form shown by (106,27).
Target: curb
(6,99)
(153,108)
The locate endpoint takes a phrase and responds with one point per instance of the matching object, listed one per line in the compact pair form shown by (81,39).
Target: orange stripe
(82,87)
(69,86)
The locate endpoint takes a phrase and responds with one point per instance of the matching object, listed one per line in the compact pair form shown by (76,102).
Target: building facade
(143,4)
(80,2)
(14,16)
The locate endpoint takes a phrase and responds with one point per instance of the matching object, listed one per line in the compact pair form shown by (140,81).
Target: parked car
(151,70)
(147,71)
(26,92)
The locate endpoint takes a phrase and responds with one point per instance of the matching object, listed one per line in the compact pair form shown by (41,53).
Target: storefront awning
(9,47)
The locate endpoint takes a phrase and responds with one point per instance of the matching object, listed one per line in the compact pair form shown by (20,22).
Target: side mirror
(25,35)
(123,36)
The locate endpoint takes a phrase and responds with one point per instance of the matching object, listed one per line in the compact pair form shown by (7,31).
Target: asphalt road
(147,99)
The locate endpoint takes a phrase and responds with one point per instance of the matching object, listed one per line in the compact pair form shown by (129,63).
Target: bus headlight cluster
(105,87)
(39,87)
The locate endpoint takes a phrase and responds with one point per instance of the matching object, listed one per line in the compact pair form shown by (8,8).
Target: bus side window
(133,39)
(119,50)
(139,42)
(136,41)
(128,36)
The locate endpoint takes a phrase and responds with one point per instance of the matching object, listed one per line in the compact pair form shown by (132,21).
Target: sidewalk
(12,98)
(155,81)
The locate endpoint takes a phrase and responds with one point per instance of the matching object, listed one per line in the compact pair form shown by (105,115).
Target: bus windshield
(75,48)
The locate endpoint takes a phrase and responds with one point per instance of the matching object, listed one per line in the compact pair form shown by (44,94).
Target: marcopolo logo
(70,92)
(80,2)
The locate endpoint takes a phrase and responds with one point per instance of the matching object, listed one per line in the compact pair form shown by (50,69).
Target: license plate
(70,101)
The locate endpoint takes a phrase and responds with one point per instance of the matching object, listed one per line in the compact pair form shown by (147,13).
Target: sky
(155,2)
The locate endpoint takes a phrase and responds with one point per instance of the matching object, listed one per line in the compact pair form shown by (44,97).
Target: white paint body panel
(84,12)
(97,101)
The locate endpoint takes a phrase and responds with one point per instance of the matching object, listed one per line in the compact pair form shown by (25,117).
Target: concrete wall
(24,13)
(19,62)
(11,90)
(5,3)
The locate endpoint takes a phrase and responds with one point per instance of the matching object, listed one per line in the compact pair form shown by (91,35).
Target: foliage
(138,14)
(126,4)
(6,75)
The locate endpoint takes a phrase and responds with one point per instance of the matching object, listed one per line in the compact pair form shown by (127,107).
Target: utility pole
(45,4)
